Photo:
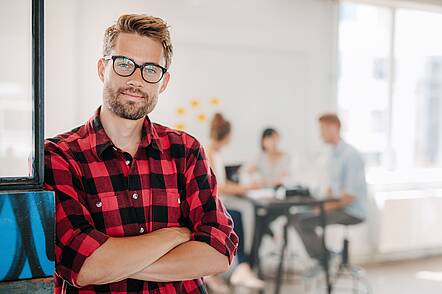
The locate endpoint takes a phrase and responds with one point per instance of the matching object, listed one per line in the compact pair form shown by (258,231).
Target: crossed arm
(171,257)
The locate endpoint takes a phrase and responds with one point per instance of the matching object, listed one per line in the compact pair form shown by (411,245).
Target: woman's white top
(271,170)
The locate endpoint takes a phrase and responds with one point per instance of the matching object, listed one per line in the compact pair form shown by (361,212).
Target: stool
(356,273)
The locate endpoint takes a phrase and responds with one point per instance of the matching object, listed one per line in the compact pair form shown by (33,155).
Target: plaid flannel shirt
(103,192)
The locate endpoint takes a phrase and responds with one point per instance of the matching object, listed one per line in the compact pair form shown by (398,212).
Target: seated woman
(272,165)
(220,137)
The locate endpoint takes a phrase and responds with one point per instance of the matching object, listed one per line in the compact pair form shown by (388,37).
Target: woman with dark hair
(272,165)
(220,134)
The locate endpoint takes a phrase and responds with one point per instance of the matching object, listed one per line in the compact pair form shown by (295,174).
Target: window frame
(36,181)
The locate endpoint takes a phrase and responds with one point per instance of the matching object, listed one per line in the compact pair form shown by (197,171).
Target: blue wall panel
(26,235)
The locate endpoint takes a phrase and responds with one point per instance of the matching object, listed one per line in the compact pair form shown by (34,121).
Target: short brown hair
(220,128)
(143,25)
(330,118)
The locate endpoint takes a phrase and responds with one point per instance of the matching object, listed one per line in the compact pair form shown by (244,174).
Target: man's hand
(329,192)
(183,234)
(342,202)
(257,185)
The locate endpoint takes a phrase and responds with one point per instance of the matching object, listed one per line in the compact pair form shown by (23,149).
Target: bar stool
(347,270)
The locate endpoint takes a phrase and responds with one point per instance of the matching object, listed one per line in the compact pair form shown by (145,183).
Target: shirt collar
(100,141)
(339,147)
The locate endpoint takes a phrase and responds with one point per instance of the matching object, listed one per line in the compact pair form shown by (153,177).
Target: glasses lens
(152,73)
(124,66)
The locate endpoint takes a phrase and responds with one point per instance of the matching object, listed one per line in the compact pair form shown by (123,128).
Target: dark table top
(272,202)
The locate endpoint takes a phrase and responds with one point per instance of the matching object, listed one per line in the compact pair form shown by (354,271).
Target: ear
(166,79)
(101,64)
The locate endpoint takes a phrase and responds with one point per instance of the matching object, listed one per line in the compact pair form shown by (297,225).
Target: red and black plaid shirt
(101,191)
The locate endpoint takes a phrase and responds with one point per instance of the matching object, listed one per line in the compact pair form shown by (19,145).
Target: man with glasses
(137,208)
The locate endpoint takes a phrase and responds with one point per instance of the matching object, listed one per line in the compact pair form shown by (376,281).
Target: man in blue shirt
(346,182)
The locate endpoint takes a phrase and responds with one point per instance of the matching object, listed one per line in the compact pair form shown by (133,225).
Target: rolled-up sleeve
(207,215)
(76,237)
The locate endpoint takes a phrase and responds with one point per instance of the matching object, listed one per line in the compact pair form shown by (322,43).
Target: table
(265,211)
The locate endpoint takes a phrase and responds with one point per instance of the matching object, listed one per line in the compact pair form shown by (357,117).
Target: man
(137,209)
(346,183)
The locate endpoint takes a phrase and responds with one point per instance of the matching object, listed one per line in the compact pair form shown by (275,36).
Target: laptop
(233,173)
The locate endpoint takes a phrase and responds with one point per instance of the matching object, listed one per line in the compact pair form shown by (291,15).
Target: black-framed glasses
(124,66)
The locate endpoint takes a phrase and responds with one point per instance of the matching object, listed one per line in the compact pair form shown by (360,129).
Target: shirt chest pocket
(165,208)
(106,211)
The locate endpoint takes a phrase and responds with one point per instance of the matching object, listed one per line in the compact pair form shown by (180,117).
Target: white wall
(62,102)
(282,50)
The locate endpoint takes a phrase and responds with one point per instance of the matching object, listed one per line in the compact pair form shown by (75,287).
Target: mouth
(132,95)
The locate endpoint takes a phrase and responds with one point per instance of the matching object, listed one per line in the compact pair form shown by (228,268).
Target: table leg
(278,279)
(326,255)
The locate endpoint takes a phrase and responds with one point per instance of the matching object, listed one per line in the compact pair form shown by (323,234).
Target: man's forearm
(188,261)
(342,202)
(118,258)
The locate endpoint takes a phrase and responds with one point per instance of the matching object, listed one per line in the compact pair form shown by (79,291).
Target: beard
(129,109)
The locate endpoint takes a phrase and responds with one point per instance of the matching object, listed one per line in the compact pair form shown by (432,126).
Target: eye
(124,63)
(151,69)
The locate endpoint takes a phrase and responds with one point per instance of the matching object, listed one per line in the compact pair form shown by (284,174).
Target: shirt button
(141,230)
(99,204)
(127,162)
(135,196)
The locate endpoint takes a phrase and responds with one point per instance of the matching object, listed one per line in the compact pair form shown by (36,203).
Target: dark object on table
(297,191)
(232,173)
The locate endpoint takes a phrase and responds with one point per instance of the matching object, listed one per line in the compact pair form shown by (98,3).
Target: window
(363,86)
(21,95)
(417,102)
(390,85)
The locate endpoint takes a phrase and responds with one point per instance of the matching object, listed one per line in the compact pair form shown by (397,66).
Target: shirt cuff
(75,254)
(226,245)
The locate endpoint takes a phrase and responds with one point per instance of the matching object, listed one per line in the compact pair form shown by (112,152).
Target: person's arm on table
(353,182)
(341,202)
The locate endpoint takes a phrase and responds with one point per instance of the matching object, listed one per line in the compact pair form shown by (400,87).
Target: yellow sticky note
(181,111)
(180,126)
(195,103)
(201,117)
(215,101)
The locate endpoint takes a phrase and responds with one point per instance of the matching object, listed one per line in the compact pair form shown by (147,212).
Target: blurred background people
(242,275)
(345,183)
(272,165)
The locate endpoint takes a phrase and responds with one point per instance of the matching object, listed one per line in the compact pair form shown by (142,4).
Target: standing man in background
(137,207)
(346,183)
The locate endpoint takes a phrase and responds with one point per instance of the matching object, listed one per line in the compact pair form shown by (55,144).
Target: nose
(136,79)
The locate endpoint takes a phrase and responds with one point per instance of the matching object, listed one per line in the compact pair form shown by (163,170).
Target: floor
(421,276)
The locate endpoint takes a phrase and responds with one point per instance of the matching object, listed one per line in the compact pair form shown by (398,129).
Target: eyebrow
(133,60)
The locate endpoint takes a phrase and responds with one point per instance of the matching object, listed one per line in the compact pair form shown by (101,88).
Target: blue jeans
(239,230)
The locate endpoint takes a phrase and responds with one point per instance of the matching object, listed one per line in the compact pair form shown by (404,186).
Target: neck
(273,152)
(215,146)
(336,141)
(124,133)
